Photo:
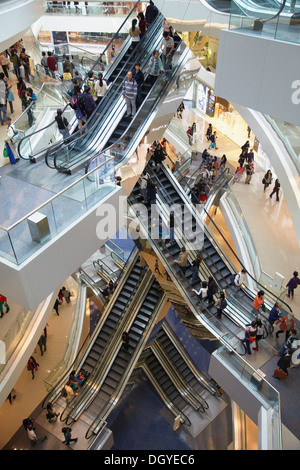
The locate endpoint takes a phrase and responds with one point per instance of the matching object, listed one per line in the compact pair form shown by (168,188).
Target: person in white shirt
(100,88)
(31,434)
(167,47)
(240,279)
(202,293)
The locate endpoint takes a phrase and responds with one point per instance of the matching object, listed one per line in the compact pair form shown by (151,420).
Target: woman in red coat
(142,24)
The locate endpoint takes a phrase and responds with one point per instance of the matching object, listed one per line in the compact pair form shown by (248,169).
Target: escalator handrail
(86,74)
(236,256)
(110,347)
(130,124)
(175,274)
(36,132)
(277,14)
(104,104)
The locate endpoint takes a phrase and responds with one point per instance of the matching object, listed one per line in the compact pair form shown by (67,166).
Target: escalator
(111,73)
(79,147)
(123,125)
(239,310)
(118,373)
(183,363)
(115,131)
(113,319)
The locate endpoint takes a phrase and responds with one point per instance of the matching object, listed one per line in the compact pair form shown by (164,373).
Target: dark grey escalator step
(97,348)
(140,324)
(107,389)
(107,329)
(121,363)
(90,363)
(138,331)
(114,373)
(111,381)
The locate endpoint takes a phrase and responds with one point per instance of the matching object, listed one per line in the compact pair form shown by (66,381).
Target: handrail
(53,197)
(91,280)
(117,142)
(108,350)
(96,63)
(236,256)
(37,131)
(82,348)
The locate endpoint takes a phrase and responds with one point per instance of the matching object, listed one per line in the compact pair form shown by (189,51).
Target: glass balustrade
(244,230)
(92,8)
(16,333)
(29,234)
(267,394)
(290,137)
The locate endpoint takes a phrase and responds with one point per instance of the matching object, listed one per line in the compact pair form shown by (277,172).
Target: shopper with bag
(250,336)
(62,123)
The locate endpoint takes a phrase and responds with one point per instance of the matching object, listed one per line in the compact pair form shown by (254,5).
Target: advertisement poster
(211,102)
(202,97)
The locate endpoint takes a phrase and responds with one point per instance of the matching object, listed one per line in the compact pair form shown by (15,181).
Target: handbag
(10,96)
(5,153)
(251,338)
(280,374)
(79,114)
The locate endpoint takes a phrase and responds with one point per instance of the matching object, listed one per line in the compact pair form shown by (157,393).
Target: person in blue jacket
(274,313)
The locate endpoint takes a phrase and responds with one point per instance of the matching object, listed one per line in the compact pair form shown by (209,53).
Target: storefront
(224,118)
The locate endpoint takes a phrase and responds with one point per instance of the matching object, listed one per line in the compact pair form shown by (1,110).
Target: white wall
(258,73)
(104,24)
(32,281)
(195,15)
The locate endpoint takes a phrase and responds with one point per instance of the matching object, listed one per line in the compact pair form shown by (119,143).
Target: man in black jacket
(151,12)
(138,76)
(285,361)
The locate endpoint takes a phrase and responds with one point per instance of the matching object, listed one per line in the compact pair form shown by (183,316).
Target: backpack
(64,392)
(231,279)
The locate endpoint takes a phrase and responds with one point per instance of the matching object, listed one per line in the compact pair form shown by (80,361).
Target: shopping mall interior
(121,234)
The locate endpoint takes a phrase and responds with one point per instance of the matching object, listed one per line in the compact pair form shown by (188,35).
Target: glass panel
(6,248)
(27,236)
(267,18)
(290,136)
(100,184)
(16,333)
(100,9)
